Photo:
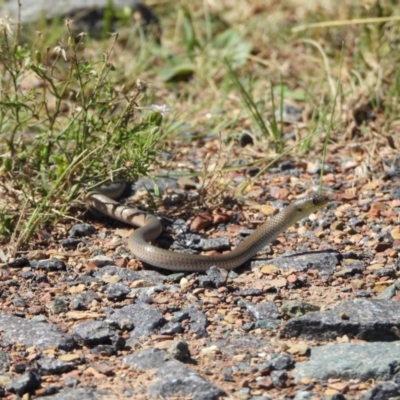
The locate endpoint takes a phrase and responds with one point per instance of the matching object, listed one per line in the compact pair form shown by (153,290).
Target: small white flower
(163,109)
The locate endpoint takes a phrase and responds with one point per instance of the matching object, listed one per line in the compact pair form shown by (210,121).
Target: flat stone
(146,359)
(377,361)
(176,380)
(30,333)
(372,320)
(50,366)
(93,332)
(265,310)
(323,261)
(142,318)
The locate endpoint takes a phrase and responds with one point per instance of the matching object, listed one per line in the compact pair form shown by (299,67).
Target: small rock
(93,332)
(245,139)
(25,383)
(279,378)
(79,230)
(295,308)
(214,278)
(57,306)
(179,350)
(117,291)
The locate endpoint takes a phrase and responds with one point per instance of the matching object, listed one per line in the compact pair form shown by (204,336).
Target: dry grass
(336,61)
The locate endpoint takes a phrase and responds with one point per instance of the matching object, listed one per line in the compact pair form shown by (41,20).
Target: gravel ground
(316,315)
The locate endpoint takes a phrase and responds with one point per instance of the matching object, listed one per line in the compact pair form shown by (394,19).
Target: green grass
(74,113)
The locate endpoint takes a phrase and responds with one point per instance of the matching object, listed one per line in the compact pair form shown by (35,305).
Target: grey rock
(93,332)
(289,113)
(280,361)
(296,308)
(52,366)
(24,383)
(18,301)
(373,320)
(129,393)
(117,292)
(382,391)
(83,229)
(39,318)
(174,379)
(179,350)
(19,263)
(355,222)
(71,381)
(84,300)
(243,367)
(214,278)
(303,395)
(26,274)
(144,319)
(57,306)
(4,362)
(323,261)
(146,359)
(364,293)
(350,269)
(247,343)
(248,326)
(180,316)
(390,291)
(107,349)
(269,324)
(395,193)
(378,361)
(198,323)
(227,375)
(261,398)
(336,396)
(43,335)
(128,275)
(171,328)
(266,310)
(279,378)
(248,292)
(54,264)
(82,394)
(102,261)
